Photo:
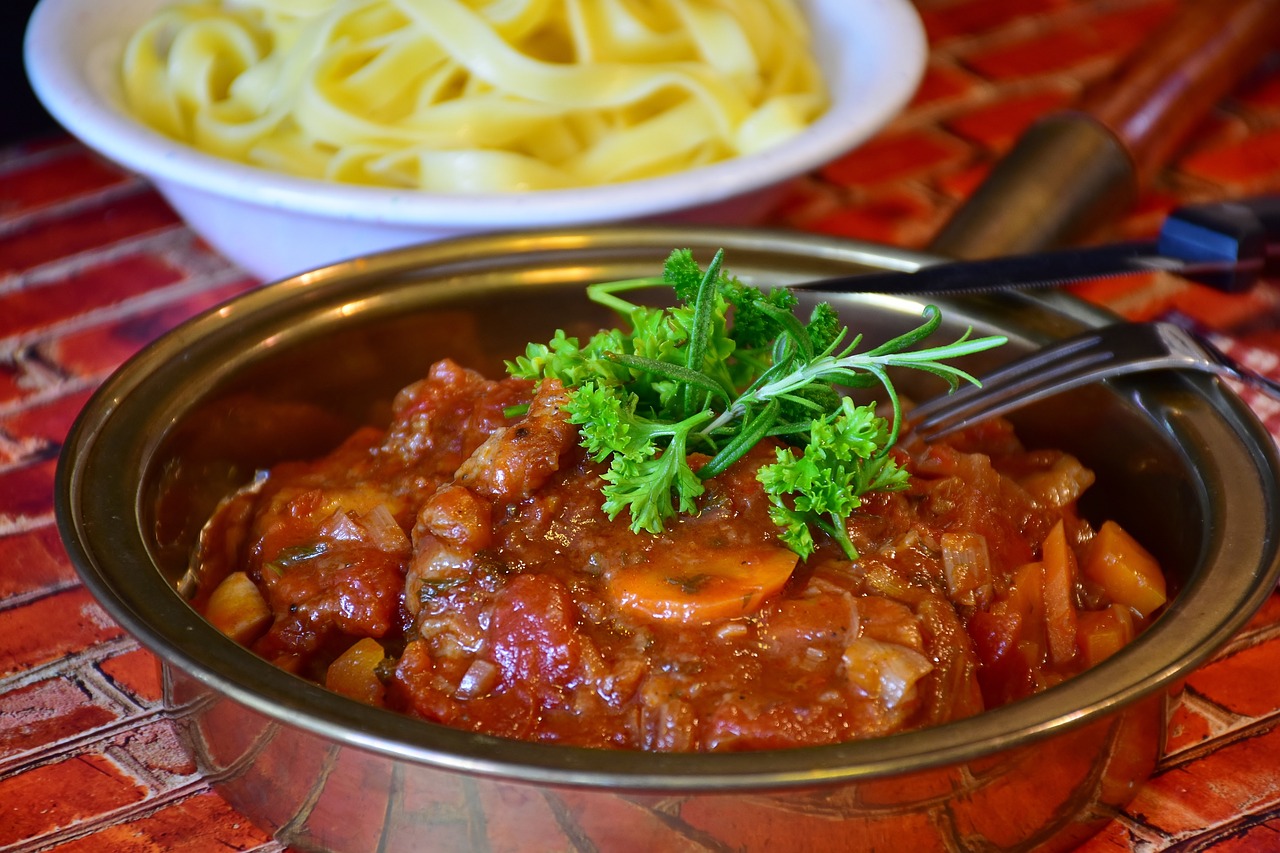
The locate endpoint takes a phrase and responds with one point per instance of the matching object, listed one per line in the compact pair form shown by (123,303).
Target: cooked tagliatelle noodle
(476,95)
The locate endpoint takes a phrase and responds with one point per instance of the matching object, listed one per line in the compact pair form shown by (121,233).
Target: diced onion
(341,527)
(479,679)
(377,527)
(384,533)
(967,565)
(887,671)
(1062,484)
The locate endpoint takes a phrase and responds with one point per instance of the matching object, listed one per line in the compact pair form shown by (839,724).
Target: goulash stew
(678,537)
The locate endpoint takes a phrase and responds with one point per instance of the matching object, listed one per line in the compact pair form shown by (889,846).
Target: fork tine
(1047,371)
(1115,350)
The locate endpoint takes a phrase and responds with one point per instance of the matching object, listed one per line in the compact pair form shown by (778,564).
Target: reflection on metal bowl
(317,796)
(1182,464)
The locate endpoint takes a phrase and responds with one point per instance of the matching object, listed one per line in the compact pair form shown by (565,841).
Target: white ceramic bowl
(872,53)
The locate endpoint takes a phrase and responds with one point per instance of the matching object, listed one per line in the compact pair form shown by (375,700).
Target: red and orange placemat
(93,265)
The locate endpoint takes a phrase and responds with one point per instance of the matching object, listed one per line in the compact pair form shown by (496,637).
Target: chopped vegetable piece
(481,677)
(1059,590)
(236,608)
(1026,595)
(1104,632)
(1061,484)
(1008,636)
(707,584)
(1122,567)
(885,670)
(355,672)
(968,567)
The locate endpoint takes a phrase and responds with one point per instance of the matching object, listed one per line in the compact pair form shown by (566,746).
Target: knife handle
(1244,232)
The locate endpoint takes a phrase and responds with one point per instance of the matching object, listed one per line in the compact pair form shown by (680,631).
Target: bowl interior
(1182,463)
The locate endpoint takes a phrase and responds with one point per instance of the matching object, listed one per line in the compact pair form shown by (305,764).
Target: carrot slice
(1026,597)
(1060,570)
(236,608)
(1104,632)
(355,672)
(1125,570)
(702,584)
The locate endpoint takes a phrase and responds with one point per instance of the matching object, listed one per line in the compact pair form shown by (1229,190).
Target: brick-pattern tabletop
(93,265)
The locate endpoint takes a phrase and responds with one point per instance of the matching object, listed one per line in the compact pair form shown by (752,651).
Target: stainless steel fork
(1115,350)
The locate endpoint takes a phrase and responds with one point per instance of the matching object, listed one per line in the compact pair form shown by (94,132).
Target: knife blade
(1225,245)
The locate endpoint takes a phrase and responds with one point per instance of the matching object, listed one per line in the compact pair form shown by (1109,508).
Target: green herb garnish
(727,366)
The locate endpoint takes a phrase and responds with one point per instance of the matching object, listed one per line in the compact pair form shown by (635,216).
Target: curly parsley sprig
(842,461)
(726,367)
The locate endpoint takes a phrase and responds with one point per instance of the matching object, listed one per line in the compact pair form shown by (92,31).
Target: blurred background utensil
(1226,245)
(1077,169)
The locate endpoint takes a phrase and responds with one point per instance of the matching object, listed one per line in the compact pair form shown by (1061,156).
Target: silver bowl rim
(168,626)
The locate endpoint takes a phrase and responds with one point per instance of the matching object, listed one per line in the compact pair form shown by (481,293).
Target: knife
(1225,245)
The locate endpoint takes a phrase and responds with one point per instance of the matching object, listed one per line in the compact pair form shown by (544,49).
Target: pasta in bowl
(457,97)
(674,109)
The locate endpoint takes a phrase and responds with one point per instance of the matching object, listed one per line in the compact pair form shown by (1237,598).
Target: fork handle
(1245,232)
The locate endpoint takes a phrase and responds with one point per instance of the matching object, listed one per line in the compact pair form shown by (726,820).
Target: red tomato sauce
(458,567)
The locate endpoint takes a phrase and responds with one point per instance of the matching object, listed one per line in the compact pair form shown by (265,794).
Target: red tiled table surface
(93,265)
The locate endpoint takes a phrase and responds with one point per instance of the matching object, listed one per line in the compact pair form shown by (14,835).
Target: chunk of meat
(440,421)
(534,638)
(516,461)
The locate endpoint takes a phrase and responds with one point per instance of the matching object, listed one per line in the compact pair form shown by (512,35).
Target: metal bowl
(1182,463)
